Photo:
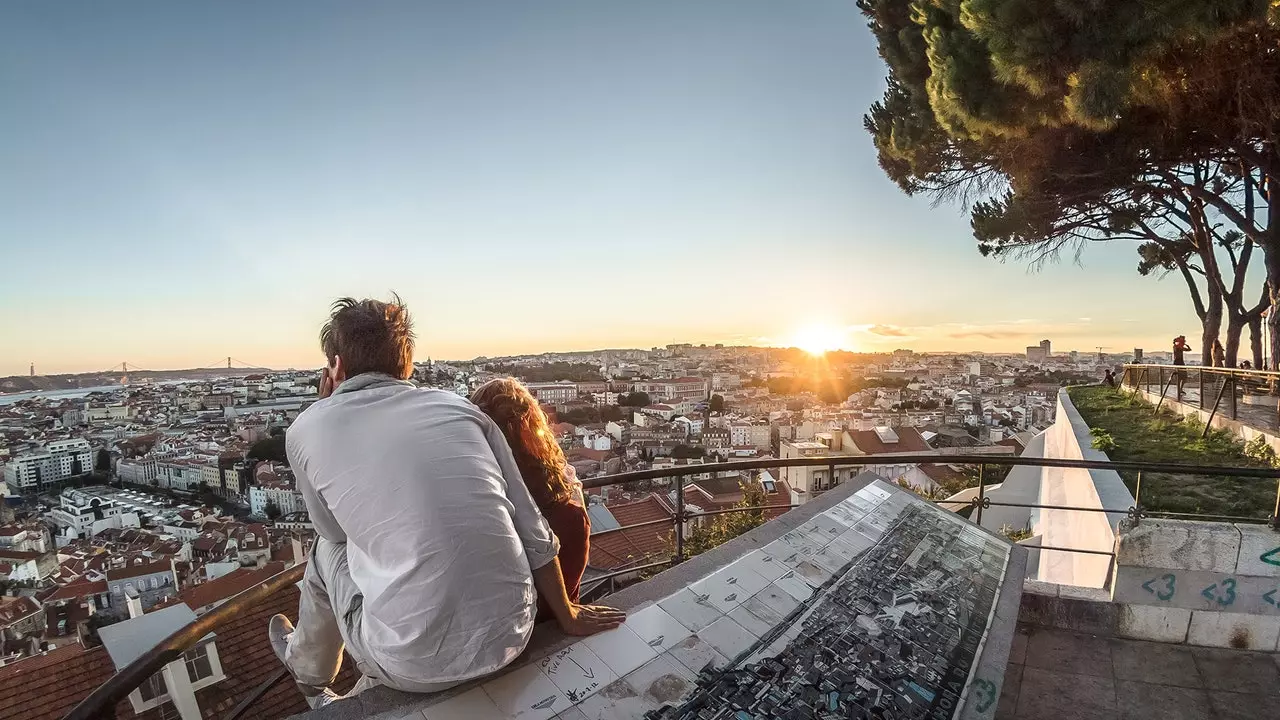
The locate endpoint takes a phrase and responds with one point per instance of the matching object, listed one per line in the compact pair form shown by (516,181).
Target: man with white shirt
(429,546)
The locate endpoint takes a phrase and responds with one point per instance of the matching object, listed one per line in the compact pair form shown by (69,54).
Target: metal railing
(102,701)
(1247,395)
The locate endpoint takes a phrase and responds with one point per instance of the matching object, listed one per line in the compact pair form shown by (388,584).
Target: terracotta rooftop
(14,609)
(233,583)
(909,440)
(47,686)
(145,568)
(629,547)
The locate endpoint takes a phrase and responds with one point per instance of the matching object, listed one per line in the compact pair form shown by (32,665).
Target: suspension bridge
(226,363)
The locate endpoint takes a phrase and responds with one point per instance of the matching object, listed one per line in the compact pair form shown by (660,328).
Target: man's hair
(370,336)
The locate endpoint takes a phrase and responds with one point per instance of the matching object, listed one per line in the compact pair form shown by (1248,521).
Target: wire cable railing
(101,702)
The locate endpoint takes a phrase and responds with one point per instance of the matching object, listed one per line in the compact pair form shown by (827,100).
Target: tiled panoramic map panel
(891,634)
(876,608)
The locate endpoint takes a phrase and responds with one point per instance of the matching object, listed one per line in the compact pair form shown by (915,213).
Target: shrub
(1102,440)
(1259,450)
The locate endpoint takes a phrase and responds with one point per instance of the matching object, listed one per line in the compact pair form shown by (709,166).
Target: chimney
(134,603)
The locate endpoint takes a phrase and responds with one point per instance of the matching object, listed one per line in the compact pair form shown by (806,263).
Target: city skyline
(186,185)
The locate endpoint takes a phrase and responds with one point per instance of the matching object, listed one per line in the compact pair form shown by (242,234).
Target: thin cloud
(888,331)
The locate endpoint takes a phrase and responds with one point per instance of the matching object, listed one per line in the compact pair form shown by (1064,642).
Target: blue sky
(182,182)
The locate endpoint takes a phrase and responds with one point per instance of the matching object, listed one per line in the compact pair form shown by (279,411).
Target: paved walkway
(1059,675)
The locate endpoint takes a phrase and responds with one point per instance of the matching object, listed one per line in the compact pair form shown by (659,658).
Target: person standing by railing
(430,546)
(550,478)
(1180,348)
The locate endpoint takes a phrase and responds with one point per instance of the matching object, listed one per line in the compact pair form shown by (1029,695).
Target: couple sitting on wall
(443,525)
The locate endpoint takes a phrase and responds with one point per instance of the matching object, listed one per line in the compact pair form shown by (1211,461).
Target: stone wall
(1201,583)
(1069,438)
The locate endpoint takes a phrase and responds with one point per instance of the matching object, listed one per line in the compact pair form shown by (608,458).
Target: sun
(818,339)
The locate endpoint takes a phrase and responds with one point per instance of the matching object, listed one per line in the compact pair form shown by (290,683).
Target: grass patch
(1134,433)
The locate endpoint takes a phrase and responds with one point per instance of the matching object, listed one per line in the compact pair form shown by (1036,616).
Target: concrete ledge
(1179,545)
(1143,622)
(1085,616)
(1243,632)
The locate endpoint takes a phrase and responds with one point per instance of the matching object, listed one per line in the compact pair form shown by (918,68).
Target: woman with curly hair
(551,480)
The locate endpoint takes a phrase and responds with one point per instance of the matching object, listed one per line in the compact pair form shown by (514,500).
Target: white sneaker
(279,631)
(315,702)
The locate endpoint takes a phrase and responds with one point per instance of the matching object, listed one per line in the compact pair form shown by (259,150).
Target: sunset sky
(183,182)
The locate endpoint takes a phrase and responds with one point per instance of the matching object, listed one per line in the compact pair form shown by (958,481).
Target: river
(12,398)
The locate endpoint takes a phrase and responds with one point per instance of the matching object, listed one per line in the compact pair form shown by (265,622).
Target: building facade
(58,461)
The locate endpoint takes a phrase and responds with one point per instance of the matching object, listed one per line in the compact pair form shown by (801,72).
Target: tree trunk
(1255,340)
(1212,326)
(1235,326)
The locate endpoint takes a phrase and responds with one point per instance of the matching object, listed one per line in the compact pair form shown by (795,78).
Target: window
(153,688)
(198,665)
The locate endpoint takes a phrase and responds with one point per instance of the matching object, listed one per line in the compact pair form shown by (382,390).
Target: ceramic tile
(691,609)
(696,654)
(829,559)
(813,574)
(727,637)
(754,624)
(871,530)
(795,557)
(728,587)
(825,525)
(577,671)
(526,693)
(474,703)
(572,713)
(662,680)
(846,515)
(878,489)
(657,683)
(764,564)
(795,586)
(621,649)
(657,628)
(777,601)
(861,503)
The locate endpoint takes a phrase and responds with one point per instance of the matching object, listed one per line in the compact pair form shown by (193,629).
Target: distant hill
(25,383)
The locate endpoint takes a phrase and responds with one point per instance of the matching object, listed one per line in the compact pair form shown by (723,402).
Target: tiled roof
(909,440)
(19,555)
(629,547)
(47,686)
(131,571)
(15,609)
(78,589)
(233,583)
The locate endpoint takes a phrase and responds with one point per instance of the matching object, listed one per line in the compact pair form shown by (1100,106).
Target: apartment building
(57,461)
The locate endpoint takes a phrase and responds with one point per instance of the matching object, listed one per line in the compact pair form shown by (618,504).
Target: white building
(84,514)
(556,393)
(287,499)
(58,461)
(140,471)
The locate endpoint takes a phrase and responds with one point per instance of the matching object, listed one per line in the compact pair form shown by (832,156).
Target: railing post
(679,519)
(1200,381)
(831,476)
(982,490)
(1275,515)
(1137,500)
(1232,378)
